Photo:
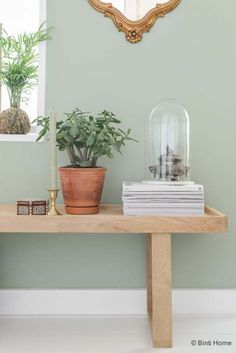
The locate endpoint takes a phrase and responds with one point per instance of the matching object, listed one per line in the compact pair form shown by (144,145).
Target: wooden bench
(111,220)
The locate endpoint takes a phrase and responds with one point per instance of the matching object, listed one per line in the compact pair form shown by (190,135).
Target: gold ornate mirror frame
(134,29)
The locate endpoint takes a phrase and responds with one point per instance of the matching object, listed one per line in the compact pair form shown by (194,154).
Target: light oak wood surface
(159,302)
(110,220)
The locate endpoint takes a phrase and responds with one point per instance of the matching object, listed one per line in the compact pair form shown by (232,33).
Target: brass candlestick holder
(53,211)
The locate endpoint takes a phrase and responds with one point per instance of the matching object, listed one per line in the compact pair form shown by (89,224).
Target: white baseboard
(111,302)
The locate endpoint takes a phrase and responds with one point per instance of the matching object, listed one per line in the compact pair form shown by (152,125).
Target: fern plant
(19,71)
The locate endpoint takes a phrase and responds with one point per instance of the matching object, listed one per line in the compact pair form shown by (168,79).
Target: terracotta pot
(82,189)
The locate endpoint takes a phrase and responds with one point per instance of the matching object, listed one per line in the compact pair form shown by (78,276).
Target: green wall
(190,55)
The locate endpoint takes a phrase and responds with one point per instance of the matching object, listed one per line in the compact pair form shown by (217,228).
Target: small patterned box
(28,207)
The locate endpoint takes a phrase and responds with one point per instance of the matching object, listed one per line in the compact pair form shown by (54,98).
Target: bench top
(111,220)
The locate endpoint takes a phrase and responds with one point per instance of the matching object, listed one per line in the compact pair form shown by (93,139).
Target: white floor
(111,335)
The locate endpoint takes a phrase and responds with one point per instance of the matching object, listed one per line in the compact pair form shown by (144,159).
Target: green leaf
(100,137)
(68,138)
(112,141)
(74,131)
(110,155)
(91,140)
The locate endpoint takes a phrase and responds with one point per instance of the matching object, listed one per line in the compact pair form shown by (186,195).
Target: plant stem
(94,162)
(15,97)
(80,153)
(89,153)
(71,154)
(86,153)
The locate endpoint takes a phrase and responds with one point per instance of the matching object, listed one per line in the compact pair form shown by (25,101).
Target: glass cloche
(169,142)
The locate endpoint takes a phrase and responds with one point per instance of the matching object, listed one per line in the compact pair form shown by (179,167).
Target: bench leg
(159,303)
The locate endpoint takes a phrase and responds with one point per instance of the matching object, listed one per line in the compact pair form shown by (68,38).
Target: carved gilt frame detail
(134,29)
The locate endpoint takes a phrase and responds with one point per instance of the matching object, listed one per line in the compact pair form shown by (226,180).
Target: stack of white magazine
(163,198)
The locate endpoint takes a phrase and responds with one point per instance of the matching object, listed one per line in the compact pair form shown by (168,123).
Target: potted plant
(19,72)
(85,138)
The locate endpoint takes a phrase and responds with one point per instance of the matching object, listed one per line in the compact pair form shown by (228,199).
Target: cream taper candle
(52,149)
